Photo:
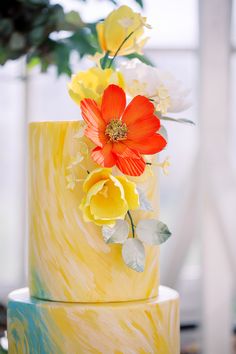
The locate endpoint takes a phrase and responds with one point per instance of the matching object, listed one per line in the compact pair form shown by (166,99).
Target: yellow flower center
(104,192)
(116,130)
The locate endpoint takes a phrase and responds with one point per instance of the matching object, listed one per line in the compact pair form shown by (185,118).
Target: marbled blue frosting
(47,327)
(28,332)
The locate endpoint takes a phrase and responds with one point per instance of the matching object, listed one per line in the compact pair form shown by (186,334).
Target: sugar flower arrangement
(122,108)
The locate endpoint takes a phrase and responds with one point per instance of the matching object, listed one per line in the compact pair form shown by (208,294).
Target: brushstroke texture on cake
(140,327)
(68,258)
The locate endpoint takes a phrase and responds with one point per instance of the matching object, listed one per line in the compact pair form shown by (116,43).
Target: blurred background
(196,41)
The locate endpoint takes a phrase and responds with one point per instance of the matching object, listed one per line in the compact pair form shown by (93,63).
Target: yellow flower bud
(107,198)
(92,83)
(119,25)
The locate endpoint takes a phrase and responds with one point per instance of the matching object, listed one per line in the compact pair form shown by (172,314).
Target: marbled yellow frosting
(142,327)
(68,259)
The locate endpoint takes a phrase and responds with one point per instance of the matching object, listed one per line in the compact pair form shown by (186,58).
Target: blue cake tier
(136,327)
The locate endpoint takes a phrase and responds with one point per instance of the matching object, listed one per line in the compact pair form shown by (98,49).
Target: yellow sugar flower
(107,198)
(92,83)
(119,25)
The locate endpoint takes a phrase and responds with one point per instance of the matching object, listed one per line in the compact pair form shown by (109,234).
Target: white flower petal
(151,82)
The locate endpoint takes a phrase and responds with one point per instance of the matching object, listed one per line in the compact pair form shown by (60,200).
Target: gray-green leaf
(178,120)
(162,131)
(143,201)
(140,2)
(17,41)
(73,18)
(117,233)
(152,232)
(133,254)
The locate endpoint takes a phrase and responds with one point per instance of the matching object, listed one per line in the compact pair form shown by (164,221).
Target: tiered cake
(85,299)
(94,232)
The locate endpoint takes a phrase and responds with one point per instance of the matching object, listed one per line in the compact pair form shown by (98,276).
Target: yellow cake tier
(139,327)
(68,259)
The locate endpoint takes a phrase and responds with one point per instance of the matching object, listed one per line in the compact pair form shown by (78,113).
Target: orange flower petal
(120,149)
(148,146)
(139,108)
(113,103)
(129,161)
(92,114)
(104,156)
(130,166)
(143,128)
(97,136)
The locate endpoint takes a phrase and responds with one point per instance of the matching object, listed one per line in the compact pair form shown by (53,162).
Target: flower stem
(85,169)
(119,48)
(132,223)
(104,60)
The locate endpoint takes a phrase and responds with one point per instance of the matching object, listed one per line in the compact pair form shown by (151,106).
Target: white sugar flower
(78,158)
(71,181)
(167,93)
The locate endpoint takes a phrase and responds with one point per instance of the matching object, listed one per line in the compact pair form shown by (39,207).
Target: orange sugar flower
(122,134)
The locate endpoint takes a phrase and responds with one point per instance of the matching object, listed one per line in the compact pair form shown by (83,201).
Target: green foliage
(28,27)
(178,120)
(140,2)
(142,58)
(2,350)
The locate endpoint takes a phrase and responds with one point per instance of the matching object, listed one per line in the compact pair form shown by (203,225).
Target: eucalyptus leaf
(39,2)
(152,231)
(178,120)
(36,35)
(117,233)
(17,41)
(143,58)
(133,254)
(140,2)
(143,201)
(82,42)
(57,14)
(4,56)
(6,26)
(32,62)
(61,58)
(28,32)
(74,18)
